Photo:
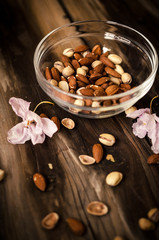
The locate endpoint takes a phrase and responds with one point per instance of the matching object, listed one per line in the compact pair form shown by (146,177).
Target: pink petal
(138,112)
(19,106)
(37,138)
(155,142)
(139,129)
(49,127)
(18,134)
(34,121)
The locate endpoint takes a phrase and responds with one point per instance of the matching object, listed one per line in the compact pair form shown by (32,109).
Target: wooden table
(71,186)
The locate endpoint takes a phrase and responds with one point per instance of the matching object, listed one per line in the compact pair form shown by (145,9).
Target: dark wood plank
(71,186)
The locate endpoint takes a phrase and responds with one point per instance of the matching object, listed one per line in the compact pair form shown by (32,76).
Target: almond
(102,80)
(99,92)
(112,72)
(105,54)
(82,78)
(112,89)
(72,82)
(107,62)
(87,92)
(81,48)
(97,50)
(81,84)
(97,151)
(55,74)
(86,61)
(77,56)
(48,73)
(153,159)
(56,121)
(92,55)
(95,76)
(43,115)
(76,226)
(39,181)
(65,59)
(75,64)
(99,68)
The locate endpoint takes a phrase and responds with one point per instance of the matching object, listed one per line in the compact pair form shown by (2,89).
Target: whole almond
(86,61)
(81,84)
(48,73)
(65,59)
(56,121)
(99,68)
(111,90)
(112,72)
(43,115)
(107,103)
(124,99)
(92,55)
(82,78)
(39,181)
(81,48)
(72,83)
(75,63)
(107,62)
(77,56)
(55,74)
(87,92)
(153,159)
(97,151)
(102,80)
(99,92)
(76,226)
(95,76)
(97,49)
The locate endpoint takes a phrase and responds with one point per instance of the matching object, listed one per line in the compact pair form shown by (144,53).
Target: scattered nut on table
(97,208)
(50,220)
(76,226)
(114,178)
(107,139)
(87,160)
(110,157)
(145,224)
(68,123)
(2,174)
(153,215)
(39,181)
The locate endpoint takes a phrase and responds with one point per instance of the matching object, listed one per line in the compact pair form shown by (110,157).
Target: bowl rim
(96,98)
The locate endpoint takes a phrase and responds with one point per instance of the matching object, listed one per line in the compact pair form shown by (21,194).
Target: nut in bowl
(95,69)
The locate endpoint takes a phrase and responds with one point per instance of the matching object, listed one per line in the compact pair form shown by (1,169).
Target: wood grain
(71,185)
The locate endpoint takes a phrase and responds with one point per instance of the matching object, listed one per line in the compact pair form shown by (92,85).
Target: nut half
(107,139)
(97,208)
(86,160)
(68,123)
(50,220)
(114,178)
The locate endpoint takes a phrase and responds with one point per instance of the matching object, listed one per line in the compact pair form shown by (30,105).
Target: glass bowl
(139,58)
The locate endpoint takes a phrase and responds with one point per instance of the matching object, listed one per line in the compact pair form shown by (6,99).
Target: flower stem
(151,103)
(42,103)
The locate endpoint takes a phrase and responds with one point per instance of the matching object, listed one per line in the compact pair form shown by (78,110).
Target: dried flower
(33,127)
(146,123)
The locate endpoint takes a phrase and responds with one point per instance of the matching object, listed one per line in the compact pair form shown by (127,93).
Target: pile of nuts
(90,73)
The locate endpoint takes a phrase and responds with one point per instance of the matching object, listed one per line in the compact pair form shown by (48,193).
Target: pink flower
(33,127)
(146,123)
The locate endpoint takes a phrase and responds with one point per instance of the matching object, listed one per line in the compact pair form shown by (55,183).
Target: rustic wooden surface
(71,186)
